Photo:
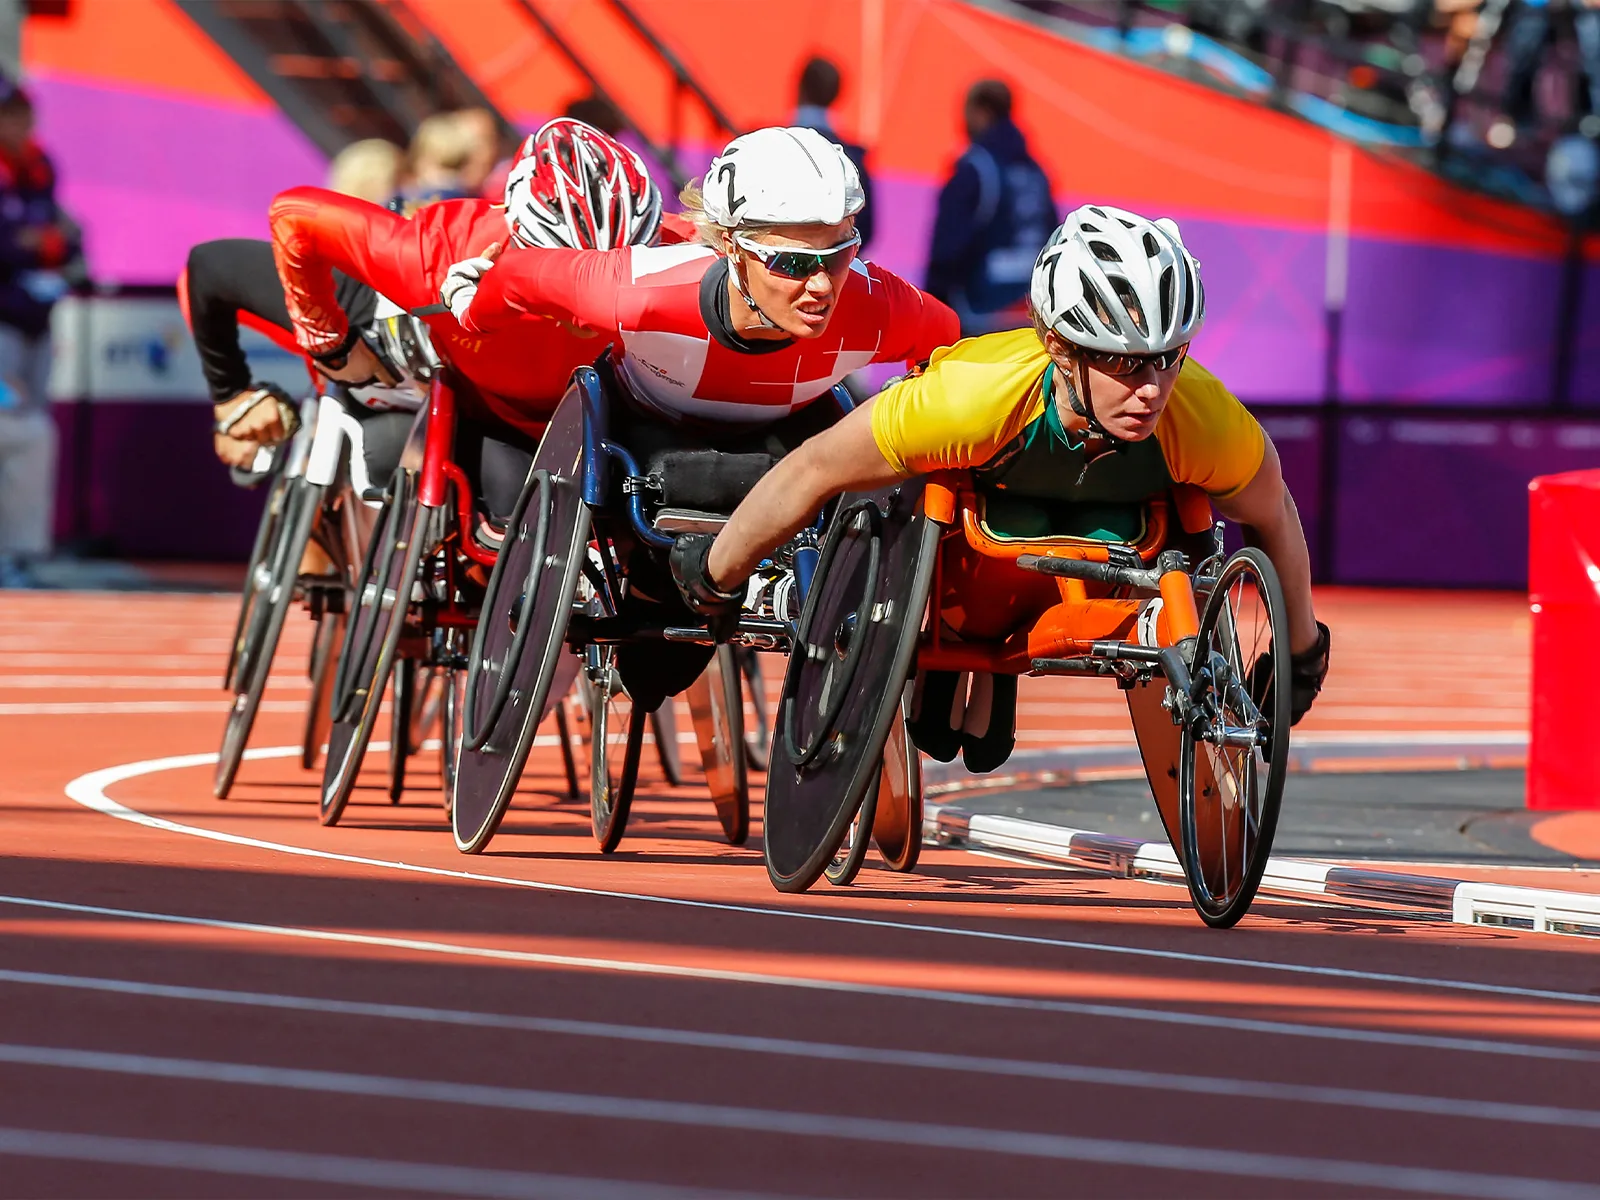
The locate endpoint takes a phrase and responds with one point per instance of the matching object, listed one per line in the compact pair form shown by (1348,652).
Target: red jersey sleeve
(579,287)
(315,230)
(917,324)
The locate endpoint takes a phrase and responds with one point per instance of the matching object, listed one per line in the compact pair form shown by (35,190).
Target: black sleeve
(234,275)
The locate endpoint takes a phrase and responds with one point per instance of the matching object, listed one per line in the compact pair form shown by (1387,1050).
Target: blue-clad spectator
(37,242)
(819,88)
(995,215)
(1532,30)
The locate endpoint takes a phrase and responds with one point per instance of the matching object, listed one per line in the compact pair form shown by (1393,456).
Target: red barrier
(1564,594)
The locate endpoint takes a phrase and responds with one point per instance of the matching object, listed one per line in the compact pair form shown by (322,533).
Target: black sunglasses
(1111,363)
(801,264)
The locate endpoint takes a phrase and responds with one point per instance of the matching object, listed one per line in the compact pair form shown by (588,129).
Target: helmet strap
(1083,409)
(735,268)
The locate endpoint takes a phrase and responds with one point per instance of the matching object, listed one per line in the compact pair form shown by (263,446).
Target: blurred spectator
(1531,33)
(485,148)
(436,162)
(38,243)
(599,112)
(368,169)
(819,88)
(995,214)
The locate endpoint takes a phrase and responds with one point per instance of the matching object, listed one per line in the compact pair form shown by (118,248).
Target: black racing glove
(688,562)
(1307,670)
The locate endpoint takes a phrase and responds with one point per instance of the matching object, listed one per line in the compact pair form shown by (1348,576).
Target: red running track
(206,998)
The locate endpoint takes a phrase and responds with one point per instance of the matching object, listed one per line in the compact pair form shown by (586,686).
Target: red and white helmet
(573,187)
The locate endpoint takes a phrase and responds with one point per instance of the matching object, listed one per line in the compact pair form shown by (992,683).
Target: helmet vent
(1071,319)
(1088,228)
(1098,306)
(1127,223)
(1105,252)
(1150,246)
(1188,297)
(1169,281)
(1130,304)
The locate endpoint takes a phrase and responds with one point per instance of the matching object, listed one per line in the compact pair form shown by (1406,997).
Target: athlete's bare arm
(842,458)
(1266,510)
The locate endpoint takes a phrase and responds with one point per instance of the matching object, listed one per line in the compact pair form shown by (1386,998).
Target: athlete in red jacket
(572,186)
(765,317)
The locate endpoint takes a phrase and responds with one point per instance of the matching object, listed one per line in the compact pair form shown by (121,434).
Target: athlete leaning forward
(726,344)
(1068,427)
(570,186)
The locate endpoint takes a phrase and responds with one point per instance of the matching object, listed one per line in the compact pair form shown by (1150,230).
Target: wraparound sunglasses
(800,264)
(1112,363)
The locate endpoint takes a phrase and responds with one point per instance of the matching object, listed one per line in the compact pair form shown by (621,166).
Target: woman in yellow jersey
(1097,406)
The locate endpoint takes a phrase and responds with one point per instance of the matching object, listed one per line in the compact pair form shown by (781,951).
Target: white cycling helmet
(780,176)
(574,187)
(1111,280)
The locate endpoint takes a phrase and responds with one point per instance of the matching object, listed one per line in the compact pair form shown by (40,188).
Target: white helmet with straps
(778,176)
(1111,280)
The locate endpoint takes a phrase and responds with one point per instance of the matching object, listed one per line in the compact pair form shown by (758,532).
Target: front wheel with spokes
(616,733)
(1234,749)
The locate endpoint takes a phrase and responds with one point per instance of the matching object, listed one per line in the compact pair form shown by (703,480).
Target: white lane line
(89,791)
(151,683)
(972,999)
(715,1118)
(288,1165)
(90,708)
(932,1060)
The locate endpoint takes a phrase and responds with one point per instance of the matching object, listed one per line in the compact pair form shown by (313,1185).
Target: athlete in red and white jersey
(767,314)
(520,376)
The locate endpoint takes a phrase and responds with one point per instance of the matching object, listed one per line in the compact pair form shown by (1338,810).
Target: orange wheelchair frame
(1064,605)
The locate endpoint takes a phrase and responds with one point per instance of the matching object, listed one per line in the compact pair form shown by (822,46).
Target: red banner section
(1564,592)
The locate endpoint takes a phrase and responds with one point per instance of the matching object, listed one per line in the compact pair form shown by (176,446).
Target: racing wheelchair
(415,605)
(313,499)
(582,584)
(915,578)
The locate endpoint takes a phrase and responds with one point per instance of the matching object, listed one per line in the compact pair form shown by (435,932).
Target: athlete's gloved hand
(460,284)
(1307,670)
(689,572)
(263,413)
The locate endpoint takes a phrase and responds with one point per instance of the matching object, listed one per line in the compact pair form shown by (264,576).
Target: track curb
(1461,901)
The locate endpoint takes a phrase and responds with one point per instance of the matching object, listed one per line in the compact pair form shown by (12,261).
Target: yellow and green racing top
(986,404)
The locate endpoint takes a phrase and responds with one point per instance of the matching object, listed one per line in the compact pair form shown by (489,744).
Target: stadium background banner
(1448,298)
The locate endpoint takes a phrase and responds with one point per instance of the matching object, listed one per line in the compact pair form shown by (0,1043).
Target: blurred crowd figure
(1532,30)
(995,213)
(40,258)
(816,94)
(451,155)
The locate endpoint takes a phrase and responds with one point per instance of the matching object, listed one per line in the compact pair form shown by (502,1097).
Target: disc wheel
(758,733)
(897,820)
(403,685)
(841,693)
(260,551)
(616,737)
(319,708)
(275,590)
(664,733)
(847,860)
(372,636)
(716,705)
(452,707)
(519,658)
(1234,748)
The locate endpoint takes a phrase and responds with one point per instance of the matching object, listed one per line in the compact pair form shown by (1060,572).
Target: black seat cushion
(708,480)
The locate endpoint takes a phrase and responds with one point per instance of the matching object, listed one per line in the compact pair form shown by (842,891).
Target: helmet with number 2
(781,176)
(1111,280)
(574,187)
